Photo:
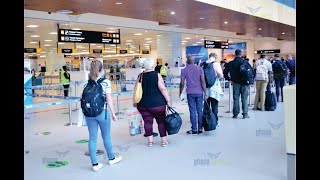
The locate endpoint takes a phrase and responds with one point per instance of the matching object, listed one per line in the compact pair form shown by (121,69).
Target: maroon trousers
(159,113)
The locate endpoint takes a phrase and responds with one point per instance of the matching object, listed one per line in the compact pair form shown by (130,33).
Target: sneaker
(235,116)
(218,125)
(97,167)
(115,160)
(200,132)
(254,108)
(192,132)
(245,116)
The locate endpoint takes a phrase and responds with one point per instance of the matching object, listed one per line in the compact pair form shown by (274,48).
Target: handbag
(137,93)
(173,121)
(209,120)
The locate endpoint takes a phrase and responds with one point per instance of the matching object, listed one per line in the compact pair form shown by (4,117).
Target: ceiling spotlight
(188,38)
(137,34)
(76,29)
(34,36)
(283,33)
(118,3)
(201,18)
(259,29)
(53,33)
(173,13)
(32,26)
(60,43)
(34,42)
(226,22)
(48,40)
(64,11)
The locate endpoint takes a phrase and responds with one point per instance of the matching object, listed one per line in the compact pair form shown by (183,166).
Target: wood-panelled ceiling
(188,14)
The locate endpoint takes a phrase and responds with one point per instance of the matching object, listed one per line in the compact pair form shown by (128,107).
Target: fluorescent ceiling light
(199,42)
(64,11)
(42,56)
(202,39)
(92,44)
(32,26)
(111,31)
(84,50)
(118,3)
(148,39)
(111,28)
(48,40)
(195,44)
(99,46)
(226,22)
(172,13)
(34,36)
(146,44)
(76,29)
(34,42)
(201,18)
(159,35)
(112,45)
(129,40)
(184,41)
(53,33)
(259,29)
(61,43)
(188,38)
(218,40)
(47,45)
(137,34)
(146,31)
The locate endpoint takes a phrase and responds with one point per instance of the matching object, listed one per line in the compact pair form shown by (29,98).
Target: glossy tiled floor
(240,149)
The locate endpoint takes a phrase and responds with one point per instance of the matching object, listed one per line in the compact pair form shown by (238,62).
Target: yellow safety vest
(63,79)
(163,71)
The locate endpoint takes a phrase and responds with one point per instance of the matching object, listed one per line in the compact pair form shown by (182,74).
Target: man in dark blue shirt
(239,87)
(291,64)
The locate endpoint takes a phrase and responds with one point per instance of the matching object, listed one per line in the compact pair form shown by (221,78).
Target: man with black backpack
(279,72)
(241,74)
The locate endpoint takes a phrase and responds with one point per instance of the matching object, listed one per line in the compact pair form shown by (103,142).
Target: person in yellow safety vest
(163,71)
(65,80)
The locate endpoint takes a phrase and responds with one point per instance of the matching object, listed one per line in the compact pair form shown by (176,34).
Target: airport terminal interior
(66,36)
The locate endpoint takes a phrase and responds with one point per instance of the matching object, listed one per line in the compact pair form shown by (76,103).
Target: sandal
(151,143)
(164,143)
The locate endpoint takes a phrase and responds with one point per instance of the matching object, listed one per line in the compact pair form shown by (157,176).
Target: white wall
(286,47)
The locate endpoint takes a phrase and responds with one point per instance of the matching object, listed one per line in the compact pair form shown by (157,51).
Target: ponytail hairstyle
(95,69)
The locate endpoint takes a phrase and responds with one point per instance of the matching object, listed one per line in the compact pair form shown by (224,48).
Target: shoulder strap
(100,80)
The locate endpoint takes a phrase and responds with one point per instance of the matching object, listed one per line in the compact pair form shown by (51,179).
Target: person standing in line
(65,80)
(155,99)
(215,92)
(262,77)
(118,70)
(239,87)
(279,72)
(164,71)
(111,71)
(158,67)
(103,120)
(177,64)
(291,64)
(196,87)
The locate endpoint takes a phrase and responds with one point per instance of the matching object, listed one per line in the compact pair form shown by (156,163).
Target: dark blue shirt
(291,64)
(234,68)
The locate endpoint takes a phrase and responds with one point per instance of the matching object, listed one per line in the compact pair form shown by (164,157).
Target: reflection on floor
(240,149)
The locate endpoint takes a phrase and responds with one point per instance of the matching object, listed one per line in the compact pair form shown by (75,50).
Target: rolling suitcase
(270,102)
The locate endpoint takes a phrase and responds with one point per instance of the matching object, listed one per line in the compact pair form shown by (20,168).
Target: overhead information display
(216,44)
(80,36)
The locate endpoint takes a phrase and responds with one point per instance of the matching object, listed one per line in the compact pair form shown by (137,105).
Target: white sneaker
(97,167)
(218,125)
(115,160)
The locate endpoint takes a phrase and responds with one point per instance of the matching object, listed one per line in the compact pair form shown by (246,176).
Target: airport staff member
(65,80)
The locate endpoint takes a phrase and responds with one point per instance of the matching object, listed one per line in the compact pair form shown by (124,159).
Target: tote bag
(137,93)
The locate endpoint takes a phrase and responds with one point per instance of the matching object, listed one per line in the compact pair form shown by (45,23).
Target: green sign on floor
(82,141)
(56,164)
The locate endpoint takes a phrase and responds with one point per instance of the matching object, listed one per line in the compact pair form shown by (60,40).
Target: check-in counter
(290,129)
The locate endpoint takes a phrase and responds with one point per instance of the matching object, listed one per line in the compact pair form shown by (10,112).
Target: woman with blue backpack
(96,97)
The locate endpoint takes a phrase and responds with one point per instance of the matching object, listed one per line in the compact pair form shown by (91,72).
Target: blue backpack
(247,74)
(93,99)
(209,74)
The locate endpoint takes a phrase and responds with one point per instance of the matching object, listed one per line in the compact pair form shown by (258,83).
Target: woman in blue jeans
(102,120)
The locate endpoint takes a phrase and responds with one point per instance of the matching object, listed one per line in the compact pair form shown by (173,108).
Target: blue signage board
(200,53)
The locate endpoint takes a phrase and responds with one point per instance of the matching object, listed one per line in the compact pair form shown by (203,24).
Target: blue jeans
(214,106)
(292,80)
(279,87)
(104,121)
(243,90)
(195,103)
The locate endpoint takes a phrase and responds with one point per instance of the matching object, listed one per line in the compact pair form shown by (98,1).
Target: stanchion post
(229,97)
(118,104)
(249,103)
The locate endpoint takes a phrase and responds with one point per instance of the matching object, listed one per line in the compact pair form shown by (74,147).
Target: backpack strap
(100,80)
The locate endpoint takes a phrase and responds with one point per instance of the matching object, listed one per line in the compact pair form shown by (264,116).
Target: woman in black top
(154,100)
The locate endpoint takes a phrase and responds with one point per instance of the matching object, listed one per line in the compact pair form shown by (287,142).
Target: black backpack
(247,74)
(280,70)
(209,74)
(93,99)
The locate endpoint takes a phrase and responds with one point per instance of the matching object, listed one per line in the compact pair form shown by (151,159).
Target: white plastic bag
(135,122)
(81,119)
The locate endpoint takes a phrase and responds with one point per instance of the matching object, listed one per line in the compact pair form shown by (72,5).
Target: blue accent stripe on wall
(290,3)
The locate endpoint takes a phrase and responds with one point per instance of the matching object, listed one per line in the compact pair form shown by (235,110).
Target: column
(169,48)
(54,60)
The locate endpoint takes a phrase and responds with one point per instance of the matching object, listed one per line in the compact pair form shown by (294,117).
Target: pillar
(169,48)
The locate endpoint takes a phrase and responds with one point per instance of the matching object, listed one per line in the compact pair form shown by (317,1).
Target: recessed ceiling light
(188,38)
(76,29)
(32,26)
(34,36)
(146,31)
(129,40)
(159,35)
(202,39)
(53,33)
(64,11)
(47,45)
(147,38)
(112,45)
(259,29)
(118,3)
(230,41)
(173,13)
(199,42)
(111,28)
(218,40)
(137,34)
(201,18)
(48,40)
(34,42)
(92,44)
(60,42)
(184,41)
(283,33)
(148,41)
(226,22)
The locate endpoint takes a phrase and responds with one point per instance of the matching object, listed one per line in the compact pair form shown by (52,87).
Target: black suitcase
(270,102)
